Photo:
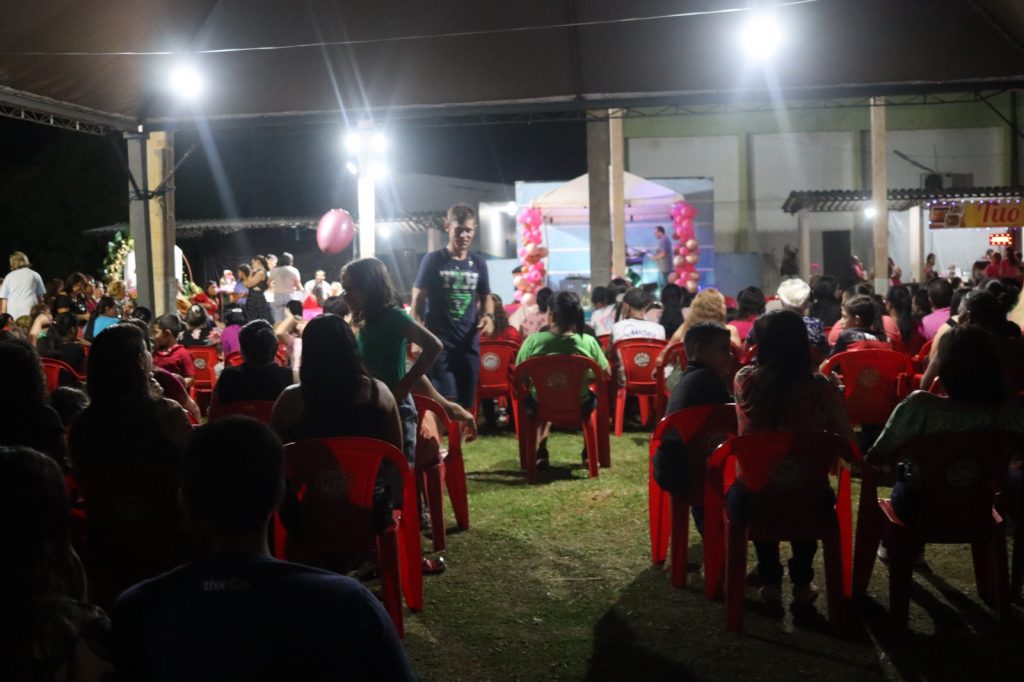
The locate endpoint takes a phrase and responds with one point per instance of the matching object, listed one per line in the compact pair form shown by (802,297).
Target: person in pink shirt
(940,293)
(234,318)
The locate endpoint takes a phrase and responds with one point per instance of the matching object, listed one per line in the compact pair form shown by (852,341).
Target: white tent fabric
(644,200)
(957,248)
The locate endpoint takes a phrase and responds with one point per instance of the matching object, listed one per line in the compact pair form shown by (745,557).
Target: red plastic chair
(205,358)
(497,360)
(557,380)
(605,340)
(52,368)
(433,466)
(635,358)
(922,358)
(786,473)
(259,410)
(960,477)
(333,480)
(233,359)
(702,429)
(130,530)
(675,355)
(874,382)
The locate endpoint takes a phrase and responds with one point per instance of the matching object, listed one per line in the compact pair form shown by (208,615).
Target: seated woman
(49,631)
(708,307)
(337,396)
(234,318)
(103,315)
(564,337)
(751,303)
(26,417)
(780,393)
(258,377)
(199,328)
(503,331)
(126,422)
(61,343)
(971,371)
(860,327)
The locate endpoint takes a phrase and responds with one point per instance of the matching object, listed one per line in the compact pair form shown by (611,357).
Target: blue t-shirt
(453,289)
(665,245)
(254,618)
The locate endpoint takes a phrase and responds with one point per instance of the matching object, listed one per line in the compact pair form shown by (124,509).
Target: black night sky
(55,184)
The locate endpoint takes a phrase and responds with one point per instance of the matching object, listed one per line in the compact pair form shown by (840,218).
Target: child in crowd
(61,342)
(705,382)
(860,327)
(632,323)
(503,331)
(68,402)
(534,321)
(168,353)
(200,329)
(564,337)
(234,319)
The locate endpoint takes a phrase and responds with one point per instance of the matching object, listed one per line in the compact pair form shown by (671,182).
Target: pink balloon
(677,261)
(519,282)
(522,252)
(531,250)
(685,224)
(672,277)
(688,211)
(692,287)
(335,230)
(694,276)
(524,216)
(682,251)
(534,277)
(692,244)
(518,296)
(677,209)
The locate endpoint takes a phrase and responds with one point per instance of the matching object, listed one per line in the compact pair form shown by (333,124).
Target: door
(835,247)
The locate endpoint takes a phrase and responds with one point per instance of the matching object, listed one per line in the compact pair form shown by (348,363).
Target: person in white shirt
(319,287)
(284,283)
(22,289)
(631,324)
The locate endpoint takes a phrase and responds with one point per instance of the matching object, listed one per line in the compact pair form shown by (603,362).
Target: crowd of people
(352,371)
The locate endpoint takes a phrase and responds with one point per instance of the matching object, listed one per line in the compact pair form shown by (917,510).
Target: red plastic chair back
(605,340)
(260,410)
(921,359)
(701,429)
(131,526)
(204,358)
(233,359)
(675,356)
(636,359)
(449,466)
(872,382)
(497,359)
(558,381)
(332,480)
(52,368)
(958,476)
(786,471)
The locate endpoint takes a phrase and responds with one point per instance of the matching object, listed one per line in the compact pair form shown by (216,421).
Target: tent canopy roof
(108,62)
(637,192)
(844,200)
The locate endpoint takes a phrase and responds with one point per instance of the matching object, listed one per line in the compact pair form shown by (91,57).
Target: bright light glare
(379,143)
(384,231)
(352,168)
(378,171)
(186,82)
(353,142)
(870,212)
(510,208)
(761,37)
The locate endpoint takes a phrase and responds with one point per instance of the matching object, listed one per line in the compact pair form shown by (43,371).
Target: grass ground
(553,581)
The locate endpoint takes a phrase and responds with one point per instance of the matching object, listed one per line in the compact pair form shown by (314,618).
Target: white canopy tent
(643,200)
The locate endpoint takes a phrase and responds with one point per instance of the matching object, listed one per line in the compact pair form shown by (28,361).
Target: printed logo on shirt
(459,288)
(229,585)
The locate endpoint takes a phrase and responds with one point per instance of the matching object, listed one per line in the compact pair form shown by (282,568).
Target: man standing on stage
(451,288)
(663,256)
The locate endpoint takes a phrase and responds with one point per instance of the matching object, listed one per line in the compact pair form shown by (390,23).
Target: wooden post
(159,164)
(879,194)
(138,216)
(916,273)
(598,153)
(803,220)
(617,153)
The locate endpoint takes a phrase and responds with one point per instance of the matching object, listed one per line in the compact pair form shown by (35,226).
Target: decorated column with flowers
(531,254)
(686,246)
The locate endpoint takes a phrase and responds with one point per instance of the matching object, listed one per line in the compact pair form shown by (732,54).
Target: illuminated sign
(966,214)
(1000,239)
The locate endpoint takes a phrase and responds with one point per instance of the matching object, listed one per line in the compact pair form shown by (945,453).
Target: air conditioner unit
(935,181)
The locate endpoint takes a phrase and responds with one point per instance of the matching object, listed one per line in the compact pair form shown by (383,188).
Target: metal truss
(56,121)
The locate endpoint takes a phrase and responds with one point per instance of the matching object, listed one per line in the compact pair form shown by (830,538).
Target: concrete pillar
(617,151)
(916,273)
(159,165)
(138,216)
(598,161)
(879,194)
(803,219)
(435,239)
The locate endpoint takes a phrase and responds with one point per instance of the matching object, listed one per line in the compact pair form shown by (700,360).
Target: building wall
(756,159)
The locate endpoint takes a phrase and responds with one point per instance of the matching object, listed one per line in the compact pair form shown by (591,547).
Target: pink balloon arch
(687,247)
(531,255)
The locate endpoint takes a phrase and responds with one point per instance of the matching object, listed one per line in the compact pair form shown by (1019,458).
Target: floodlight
(384,231)
(870,212)
(378,171)
(379,143)
(353,142)
(186,82)
(352,168)
(761,36)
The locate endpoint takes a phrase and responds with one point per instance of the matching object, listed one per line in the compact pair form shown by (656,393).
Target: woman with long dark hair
(781,393)
(256,306)
(103,315)
(26,417)
(126,422)
(750,306)
(671,309)
(900,306)
(47,632)
(503,331)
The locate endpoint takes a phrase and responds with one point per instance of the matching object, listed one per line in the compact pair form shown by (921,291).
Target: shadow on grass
(619,656)
(517,477)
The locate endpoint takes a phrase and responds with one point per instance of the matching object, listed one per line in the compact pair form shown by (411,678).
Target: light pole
(366,147)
